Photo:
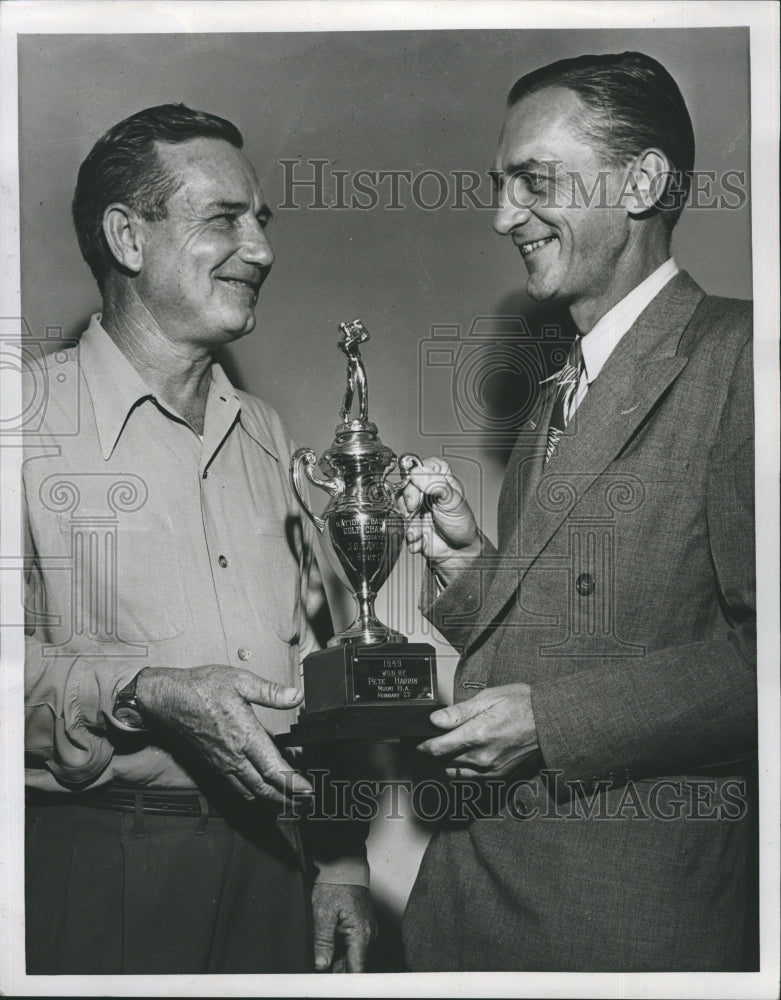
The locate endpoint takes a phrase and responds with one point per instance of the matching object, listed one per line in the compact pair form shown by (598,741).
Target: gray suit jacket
(622,592)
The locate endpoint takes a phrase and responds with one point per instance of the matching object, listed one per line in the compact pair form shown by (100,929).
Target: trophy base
(369,693)
(372,724)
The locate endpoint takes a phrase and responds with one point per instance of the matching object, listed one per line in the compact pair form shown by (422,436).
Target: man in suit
(607,680)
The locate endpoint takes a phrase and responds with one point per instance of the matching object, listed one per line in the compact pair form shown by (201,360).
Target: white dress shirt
(598,344)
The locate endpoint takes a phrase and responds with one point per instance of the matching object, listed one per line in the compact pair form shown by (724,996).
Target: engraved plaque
(391,678)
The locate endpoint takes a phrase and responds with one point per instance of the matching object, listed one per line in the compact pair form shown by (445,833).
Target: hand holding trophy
(370,684)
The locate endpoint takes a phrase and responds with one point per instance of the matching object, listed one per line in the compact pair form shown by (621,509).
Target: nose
(256,248)
(514,208)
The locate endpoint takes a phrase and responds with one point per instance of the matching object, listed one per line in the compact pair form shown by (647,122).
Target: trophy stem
(367,620)
(367,629)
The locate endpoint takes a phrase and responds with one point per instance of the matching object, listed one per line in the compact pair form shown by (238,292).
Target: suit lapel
(524,468)
(539,498)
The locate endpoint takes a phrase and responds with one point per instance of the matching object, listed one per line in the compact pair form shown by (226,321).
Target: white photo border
(18,17)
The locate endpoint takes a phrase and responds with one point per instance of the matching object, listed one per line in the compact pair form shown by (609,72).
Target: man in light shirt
(170,598)
(606,685)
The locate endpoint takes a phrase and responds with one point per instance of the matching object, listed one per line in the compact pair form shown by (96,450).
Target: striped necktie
(567,381)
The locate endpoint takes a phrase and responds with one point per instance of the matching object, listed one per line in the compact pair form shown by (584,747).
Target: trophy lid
(358,443)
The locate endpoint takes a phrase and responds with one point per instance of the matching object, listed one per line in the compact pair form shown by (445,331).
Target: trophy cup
(370,684)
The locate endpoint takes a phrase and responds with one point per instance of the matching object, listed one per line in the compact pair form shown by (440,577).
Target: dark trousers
(113,892)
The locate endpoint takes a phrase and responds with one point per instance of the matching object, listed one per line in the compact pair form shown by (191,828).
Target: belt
(155,801)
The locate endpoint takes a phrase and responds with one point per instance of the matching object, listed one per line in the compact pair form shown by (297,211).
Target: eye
(533,181)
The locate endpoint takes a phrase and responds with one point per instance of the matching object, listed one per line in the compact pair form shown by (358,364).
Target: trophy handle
(406,464)
(307,458)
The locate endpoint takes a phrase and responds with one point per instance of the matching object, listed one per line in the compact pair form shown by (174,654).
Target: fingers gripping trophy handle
(306,460)
(406,462)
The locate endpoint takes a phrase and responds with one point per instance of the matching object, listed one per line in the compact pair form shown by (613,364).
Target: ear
(648,182)
(121,227)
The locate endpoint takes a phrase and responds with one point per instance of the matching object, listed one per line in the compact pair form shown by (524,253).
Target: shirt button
(223,561)
(585,584)
(245,654)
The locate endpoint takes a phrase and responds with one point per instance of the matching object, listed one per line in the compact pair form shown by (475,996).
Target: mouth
(253,284)
(530,246)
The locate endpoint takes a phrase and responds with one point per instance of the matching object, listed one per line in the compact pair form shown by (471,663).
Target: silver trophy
(370,683)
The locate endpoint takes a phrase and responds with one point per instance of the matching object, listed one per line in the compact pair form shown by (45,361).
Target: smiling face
(203,264)
(554,190)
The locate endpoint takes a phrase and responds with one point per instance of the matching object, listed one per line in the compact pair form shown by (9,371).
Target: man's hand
(211,708)
(441,524)
(490,734)
(342,912)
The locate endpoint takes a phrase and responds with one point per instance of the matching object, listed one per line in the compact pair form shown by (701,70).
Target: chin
(539,291)
(239,329)
(248,327)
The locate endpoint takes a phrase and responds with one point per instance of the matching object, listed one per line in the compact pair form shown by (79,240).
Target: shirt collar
(222,392)
(116,389)
(255,422)
(599,342)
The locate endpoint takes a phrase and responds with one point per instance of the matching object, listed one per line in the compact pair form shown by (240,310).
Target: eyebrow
(527,166)
(224,205)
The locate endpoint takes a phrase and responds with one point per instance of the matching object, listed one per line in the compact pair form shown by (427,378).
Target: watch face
(129,716)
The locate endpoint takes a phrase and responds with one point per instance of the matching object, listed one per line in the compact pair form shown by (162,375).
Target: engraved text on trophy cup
(368,544)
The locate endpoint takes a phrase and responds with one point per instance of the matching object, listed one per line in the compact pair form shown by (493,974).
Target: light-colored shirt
(598,344)
(150,547)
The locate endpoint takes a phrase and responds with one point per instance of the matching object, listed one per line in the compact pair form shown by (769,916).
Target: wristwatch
(128,713)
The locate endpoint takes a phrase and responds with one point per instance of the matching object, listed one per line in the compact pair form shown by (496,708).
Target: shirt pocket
(126,583)
(275,564)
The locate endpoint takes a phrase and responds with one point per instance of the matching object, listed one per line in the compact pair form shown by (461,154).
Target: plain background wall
(362,101)
(413,101)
